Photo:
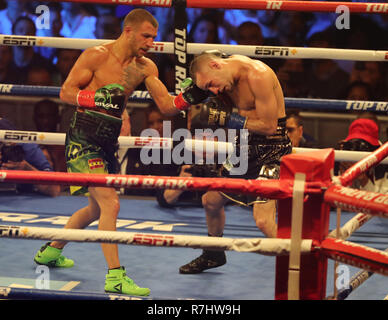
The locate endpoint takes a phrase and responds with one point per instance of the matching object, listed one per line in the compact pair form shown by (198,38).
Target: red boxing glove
(190,95)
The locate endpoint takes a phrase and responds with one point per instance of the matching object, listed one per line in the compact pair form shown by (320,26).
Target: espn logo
(19,41)
(153,240)
(151,142)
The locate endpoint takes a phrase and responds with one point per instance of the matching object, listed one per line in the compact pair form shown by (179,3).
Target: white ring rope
(351,226)
(265,246)
(196,48)
(50,138)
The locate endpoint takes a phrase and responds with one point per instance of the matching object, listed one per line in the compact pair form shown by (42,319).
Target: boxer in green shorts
(100,83)
(89,150)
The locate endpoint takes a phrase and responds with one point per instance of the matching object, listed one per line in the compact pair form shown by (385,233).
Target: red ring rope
(305,6)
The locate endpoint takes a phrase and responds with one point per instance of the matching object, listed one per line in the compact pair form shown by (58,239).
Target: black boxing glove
(214,113)
(190,95)
(110,98)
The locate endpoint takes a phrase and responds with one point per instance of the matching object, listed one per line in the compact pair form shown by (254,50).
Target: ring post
(316,166)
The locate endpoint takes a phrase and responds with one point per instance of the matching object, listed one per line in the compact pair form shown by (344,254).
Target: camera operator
(28,157)
(171,197)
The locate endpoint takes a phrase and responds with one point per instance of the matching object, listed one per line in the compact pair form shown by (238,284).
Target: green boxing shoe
(51,257)
(116,281)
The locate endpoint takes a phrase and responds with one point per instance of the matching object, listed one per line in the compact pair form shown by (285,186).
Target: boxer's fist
(110,98)
(190,95)
(215,114)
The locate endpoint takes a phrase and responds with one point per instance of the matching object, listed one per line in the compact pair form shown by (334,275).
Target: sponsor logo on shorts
(95,163)
(6,88)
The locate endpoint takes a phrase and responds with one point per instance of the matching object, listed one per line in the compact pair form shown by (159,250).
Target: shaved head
(199,62)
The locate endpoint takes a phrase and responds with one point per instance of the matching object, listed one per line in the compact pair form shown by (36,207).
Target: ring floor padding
(246,276)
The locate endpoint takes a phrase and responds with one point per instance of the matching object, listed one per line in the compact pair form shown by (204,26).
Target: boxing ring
(308,239)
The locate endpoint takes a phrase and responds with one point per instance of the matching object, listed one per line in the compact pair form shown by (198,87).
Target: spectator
(107,27)
(324,71)
(47,119)
(374,74)
(364,136)
(204,30)
(292,76)
(249,33)
(39,76)
(7,68)
(8,16)
(66,59)
(358,36)
(25,57)
(195,14)
(268,23)
(28,157)
(76,23)
(233,18)
(321,21)
(358,90)
(293,28)
(294,126)
(169,198)
(54,30)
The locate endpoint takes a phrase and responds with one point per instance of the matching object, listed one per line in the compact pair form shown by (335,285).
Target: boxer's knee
(213,203)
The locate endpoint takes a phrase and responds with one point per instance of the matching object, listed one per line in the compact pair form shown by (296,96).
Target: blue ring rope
(43,294)
(302,103)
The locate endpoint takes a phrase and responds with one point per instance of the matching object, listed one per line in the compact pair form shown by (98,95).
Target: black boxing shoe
(207,260)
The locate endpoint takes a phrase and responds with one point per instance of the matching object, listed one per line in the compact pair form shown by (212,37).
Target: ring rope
(316,6)
(325,246)
(272,189)
(50,138)
(358,279)
(356,255)
(306,103)
(355,200)
(282,52)
(265,246)
(353,254)
(364,165)
(351,226)
(42,294)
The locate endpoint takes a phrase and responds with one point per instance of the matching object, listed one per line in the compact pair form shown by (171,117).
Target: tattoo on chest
(133,75)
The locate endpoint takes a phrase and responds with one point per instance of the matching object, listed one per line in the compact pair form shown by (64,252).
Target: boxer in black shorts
(251,87)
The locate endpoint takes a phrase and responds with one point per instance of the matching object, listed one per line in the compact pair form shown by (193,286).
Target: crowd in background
(299,77)
(314,78)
